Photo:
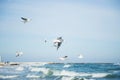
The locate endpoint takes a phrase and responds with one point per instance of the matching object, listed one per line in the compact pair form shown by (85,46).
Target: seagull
(25,19)
(80,56)
(57,42)
(19,54)
(45,41)
(63,58)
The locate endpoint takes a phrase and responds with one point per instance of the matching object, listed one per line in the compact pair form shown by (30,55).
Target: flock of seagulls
(57,43)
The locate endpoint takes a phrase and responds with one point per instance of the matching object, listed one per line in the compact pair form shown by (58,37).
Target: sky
(88,27)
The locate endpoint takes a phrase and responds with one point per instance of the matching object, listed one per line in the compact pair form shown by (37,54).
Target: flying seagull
(25,19)
(45,41)
(80,56)
(57,42)
(63,58)
(19,54)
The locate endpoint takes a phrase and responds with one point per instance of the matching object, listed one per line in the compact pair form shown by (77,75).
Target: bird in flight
(63,58)
(80,56)
(25,19)
(19,53)
(57,42)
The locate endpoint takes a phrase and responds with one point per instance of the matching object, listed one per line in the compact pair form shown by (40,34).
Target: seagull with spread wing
(25,19)
(57,42)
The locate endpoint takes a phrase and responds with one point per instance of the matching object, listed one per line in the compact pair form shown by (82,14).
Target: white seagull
(63,58)
(25,19)
(57,42)
(80,56)
(19,53)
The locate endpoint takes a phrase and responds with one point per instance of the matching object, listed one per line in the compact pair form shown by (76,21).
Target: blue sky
(88,27)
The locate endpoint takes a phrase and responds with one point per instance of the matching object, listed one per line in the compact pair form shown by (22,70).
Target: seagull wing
(17,54)
(24,18)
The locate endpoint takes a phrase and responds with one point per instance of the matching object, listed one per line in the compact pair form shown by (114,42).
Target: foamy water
(44,70)
(99,75)
(66,66)
(60,71)
(8,76)
(20,68)
(32,76)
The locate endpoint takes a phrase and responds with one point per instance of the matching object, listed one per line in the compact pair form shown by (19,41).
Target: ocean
(60,71)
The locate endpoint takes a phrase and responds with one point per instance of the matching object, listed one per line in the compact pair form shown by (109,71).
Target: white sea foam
(66,65)
(32,76)
(67,78)
(99,75)
(69,73)
(65,73)
(72,74)
(44,70)
(72,78)
(19,68)
(8,76)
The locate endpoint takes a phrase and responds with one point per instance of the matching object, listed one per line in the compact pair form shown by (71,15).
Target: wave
(32,76)
(44,70)
(73,74)
(118,64)
(74,78)
(99,75)
(116,72)
(112,76)
(20,68)
(66,66)
(67,78)
(8,76)
(50,72)
(65,73)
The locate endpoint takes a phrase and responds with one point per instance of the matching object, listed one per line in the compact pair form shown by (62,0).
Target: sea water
(60,71)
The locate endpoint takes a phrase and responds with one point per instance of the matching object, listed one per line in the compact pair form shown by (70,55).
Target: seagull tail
(57,48)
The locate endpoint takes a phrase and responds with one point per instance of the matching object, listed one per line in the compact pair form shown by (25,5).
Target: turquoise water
(61,71)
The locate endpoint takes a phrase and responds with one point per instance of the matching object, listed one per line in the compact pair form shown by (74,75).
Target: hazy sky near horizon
(88,27)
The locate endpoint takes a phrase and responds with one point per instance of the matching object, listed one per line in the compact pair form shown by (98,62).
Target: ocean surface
(60,71)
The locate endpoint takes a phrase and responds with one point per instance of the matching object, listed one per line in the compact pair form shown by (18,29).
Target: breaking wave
(44,70)
(50,72)
(67,78)
(20,68)
(37,71)
(66,66)
(8,76)
(32,76)
(99,75)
